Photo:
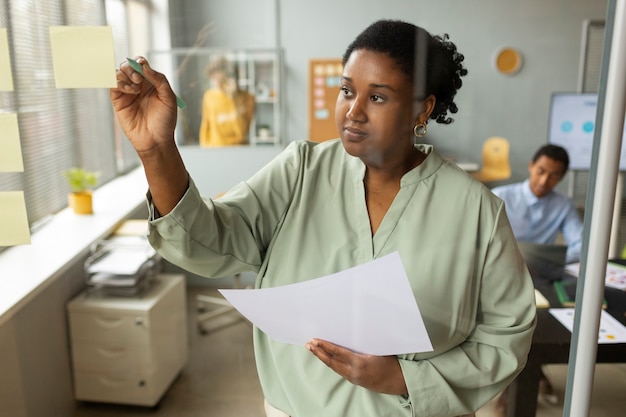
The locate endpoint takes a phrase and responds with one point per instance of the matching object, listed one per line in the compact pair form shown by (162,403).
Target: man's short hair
(554,152)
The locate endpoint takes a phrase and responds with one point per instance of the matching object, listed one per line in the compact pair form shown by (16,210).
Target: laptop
(545,262)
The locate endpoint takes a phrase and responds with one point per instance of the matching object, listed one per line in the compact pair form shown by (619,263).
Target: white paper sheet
(369,309)
(122,261)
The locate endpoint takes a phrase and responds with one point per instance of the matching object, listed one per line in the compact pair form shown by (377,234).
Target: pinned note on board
(10,150)
(83,56)
(6,77)
(14,228)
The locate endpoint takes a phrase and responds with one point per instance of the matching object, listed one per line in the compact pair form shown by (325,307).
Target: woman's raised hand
(146,110)
(145,107)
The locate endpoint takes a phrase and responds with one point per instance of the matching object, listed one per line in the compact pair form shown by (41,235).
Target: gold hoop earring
(420,130)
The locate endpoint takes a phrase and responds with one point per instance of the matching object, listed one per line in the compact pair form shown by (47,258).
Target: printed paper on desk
(610,331)
(369,308)
(615,274)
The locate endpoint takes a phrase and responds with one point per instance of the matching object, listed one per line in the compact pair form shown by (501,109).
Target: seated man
(538,213)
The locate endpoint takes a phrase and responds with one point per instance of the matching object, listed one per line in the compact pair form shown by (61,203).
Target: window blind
(59,128)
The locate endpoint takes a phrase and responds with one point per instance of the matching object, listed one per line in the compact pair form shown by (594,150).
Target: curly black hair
(414,49)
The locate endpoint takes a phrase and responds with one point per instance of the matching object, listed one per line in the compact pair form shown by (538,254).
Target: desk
(551,345)
(468,166)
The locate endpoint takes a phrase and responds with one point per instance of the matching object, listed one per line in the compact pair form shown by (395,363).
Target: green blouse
(304,216)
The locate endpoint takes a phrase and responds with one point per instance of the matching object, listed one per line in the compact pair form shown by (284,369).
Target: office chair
(223,306)
(495,165)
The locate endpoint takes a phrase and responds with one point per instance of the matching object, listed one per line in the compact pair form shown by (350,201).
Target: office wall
(234,24)
(35,365)
(548,34)
(11,392)
(40,333)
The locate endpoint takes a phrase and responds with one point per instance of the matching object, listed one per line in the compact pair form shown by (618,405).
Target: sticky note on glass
(10,150)
(14,228)
(83,56)
(6,76)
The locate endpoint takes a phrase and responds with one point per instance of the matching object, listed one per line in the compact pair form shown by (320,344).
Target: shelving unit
(263,73)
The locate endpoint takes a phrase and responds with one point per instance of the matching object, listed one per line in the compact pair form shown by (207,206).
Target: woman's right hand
(146,110)
(145,107)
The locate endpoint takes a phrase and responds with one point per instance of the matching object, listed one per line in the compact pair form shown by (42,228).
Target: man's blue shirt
(540,220)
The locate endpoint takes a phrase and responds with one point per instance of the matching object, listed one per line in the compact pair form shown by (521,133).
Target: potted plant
(81,181)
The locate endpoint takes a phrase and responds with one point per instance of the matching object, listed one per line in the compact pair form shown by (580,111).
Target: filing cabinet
(128,350)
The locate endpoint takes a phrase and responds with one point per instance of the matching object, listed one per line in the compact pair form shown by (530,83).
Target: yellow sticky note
(83,56)
(6,76)
(10,150)
(14,228)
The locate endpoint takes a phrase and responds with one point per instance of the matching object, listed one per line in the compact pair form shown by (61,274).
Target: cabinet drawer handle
(109,322)
(139,321)
(112,353)
(113,381)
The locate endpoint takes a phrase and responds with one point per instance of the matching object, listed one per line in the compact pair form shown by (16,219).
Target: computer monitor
(572,124)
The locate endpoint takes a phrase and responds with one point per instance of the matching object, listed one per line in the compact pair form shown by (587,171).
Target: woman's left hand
(377,373)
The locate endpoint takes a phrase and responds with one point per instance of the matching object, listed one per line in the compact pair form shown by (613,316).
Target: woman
(322,208)
(227,110)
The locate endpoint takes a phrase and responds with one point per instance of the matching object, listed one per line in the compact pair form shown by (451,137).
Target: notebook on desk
(545,262)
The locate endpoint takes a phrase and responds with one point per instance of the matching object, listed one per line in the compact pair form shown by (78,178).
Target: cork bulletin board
(324,86)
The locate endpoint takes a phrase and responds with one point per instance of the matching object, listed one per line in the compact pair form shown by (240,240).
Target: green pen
(137,67)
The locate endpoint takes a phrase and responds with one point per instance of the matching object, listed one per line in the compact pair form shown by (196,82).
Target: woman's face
(375,112)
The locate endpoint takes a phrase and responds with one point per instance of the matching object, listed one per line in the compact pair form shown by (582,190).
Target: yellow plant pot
(81,202)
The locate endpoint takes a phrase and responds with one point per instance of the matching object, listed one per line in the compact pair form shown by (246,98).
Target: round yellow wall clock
(508,61)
